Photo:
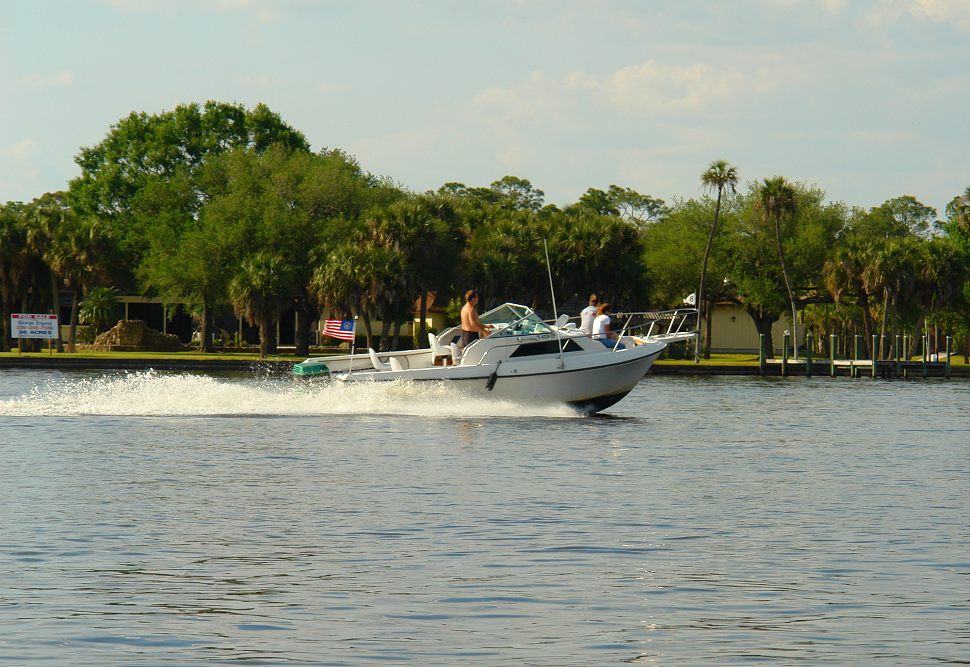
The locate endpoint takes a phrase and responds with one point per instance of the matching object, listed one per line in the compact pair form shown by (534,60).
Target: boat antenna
(552,292)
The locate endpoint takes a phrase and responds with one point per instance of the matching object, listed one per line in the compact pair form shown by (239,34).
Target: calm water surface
(163,519)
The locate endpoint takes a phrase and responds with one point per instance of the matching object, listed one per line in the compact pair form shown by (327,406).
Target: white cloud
(256,80)
(653,86)
(884,12)
(830,6)
(523,124)
(515,156)
(399,148)
(955,12)
(264,12)
(22,151)
(135,6)
(835,6)
(332,88)
(261,10)
(950,12)
(649,87)
(64,77)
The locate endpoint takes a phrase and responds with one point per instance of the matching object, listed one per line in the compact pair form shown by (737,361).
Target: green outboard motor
(311,369)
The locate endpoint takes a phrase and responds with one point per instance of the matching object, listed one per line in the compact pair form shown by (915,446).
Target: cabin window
(544,347)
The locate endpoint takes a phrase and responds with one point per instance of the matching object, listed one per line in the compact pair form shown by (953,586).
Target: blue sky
(868,99)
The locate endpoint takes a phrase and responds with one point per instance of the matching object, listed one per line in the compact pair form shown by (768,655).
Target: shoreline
(282,366)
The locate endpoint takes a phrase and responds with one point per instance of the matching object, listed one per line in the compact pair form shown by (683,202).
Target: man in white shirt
(588,314)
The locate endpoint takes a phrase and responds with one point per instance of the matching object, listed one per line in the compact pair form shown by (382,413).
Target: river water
(177,519)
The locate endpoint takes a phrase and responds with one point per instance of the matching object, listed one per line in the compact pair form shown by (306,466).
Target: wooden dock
(899,366)
(857,368)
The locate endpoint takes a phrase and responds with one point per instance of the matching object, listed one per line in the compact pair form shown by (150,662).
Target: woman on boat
(601,328)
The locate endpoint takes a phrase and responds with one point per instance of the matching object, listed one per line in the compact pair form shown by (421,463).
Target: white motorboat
(524,358)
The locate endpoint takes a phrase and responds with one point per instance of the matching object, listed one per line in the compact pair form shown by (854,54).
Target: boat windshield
(514,320)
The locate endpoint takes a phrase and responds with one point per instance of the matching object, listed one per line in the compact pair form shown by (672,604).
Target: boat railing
(677,323)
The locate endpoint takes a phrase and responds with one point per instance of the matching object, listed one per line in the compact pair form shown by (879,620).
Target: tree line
(220,206)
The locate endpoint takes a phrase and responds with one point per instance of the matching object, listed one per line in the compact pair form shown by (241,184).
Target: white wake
(151,393)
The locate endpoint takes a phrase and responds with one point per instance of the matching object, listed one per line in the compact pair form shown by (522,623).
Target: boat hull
(591,383)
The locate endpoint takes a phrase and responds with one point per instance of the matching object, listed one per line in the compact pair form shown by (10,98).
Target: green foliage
(13,263)
(215,204)
(624,202)
(453,310)
(258,293)
(86,334)
(100,307)
(673,252)
(517,194)
(906,216)
(145,174)
(958,214)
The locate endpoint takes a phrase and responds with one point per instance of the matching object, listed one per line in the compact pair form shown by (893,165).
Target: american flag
(339,329)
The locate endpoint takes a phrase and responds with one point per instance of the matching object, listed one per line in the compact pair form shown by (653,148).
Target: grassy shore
(243,355)
(715,360)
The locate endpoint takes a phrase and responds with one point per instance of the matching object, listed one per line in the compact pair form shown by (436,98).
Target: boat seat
(455,354)
(396,364)
(377,363)
(561,320)
(440,355)
(571,326)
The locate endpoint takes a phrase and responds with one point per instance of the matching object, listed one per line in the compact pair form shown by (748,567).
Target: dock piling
(856,353)
(831,355)
(946,369)
(761,354)
(897,352)
(926,352)
(906,358)
(784,354)
(808,354)
(875,355)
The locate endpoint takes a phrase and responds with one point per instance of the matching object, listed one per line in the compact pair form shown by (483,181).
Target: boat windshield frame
(512,319)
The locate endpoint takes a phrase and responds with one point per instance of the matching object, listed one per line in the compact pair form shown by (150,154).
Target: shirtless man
(471,327)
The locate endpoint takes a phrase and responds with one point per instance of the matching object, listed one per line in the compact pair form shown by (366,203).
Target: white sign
(25,325)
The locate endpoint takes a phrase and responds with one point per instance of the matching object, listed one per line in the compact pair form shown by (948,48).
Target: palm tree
(75,253)
(99,307)
(776,199)
(844,276)
(44,216)
(12,264)
(719,176)
(258,293)
(940,275)
(893,270)
(435,252)
(940,278)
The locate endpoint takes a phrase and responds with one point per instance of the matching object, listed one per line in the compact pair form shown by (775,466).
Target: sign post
(33,325)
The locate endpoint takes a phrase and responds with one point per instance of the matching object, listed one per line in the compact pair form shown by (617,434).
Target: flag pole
(353,342)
